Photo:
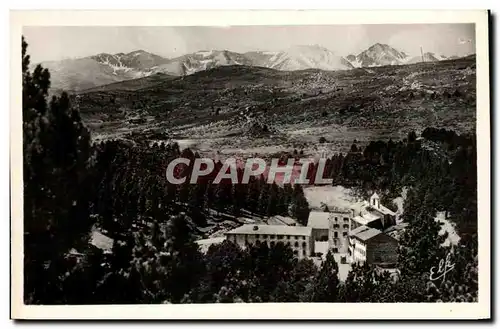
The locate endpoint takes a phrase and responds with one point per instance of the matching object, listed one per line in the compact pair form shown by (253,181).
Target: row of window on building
(337,226)
(336,234)
(296,245)
(346,219)
(279,237)
(361,251)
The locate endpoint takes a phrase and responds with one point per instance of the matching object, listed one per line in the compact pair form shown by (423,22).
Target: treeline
(446,176)
(165,266)
(131,187)
(131,181)
(450,137)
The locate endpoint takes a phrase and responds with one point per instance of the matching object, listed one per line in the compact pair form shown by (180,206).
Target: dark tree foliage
(299,207)
(56,189)
(326,285)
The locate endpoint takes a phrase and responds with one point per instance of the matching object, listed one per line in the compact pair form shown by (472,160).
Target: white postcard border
(479,310)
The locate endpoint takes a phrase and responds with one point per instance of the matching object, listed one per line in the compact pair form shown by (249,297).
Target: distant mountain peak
(101,54)
(379,54)
(301,57)
(139,51)
(380,46)
(104,68)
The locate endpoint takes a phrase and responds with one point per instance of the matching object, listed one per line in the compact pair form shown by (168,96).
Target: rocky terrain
(240,109)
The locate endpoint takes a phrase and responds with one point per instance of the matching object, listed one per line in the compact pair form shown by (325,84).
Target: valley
(245,110)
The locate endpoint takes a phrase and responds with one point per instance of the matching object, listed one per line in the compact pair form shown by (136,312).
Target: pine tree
(263,197)
(197,203)
(253,194)
(299,207)
(303,280)
(326,285)
(273,200)
(56,192)
(361,284)
(185,261)
(421,245)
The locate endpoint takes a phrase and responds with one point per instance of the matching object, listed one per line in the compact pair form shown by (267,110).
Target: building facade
(372,246)
(299,239)
(339,231)
(358,233)
(332,226)
(319,222)
(372,214)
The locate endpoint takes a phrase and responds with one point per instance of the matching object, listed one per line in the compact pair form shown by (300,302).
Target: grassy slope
(131,85)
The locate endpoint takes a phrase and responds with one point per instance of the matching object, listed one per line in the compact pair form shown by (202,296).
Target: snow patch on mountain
(205,53)
(269,52)
(427,57)
(380,55)
(307,57)
(93,71)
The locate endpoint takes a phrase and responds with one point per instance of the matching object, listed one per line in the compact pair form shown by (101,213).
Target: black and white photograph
(260,164)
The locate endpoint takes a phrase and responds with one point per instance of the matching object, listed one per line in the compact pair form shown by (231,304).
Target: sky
(61,42)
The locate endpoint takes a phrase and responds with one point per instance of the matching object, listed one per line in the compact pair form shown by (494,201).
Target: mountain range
(101,69)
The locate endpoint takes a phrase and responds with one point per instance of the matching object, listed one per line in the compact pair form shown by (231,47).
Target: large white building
(298,238)
(358,233)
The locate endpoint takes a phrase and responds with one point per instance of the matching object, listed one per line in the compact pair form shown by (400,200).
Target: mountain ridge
(104,68)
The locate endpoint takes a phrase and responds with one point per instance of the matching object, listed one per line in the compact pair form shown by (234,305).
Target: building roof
(338,210)
(319,219)
(386,211)
(271,229)
(370,215)
(368,234)
(281,220)
(365,233)
(358,206)
(101,241)
(365,205)
(358,229)
(396,231)
(366,218)
(397,227)
(210,240)
(375,195)
(360,220)
(206,243)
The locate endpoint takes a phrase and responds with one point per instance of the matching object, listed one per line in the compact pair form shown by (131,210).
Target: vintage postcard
(250,165)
